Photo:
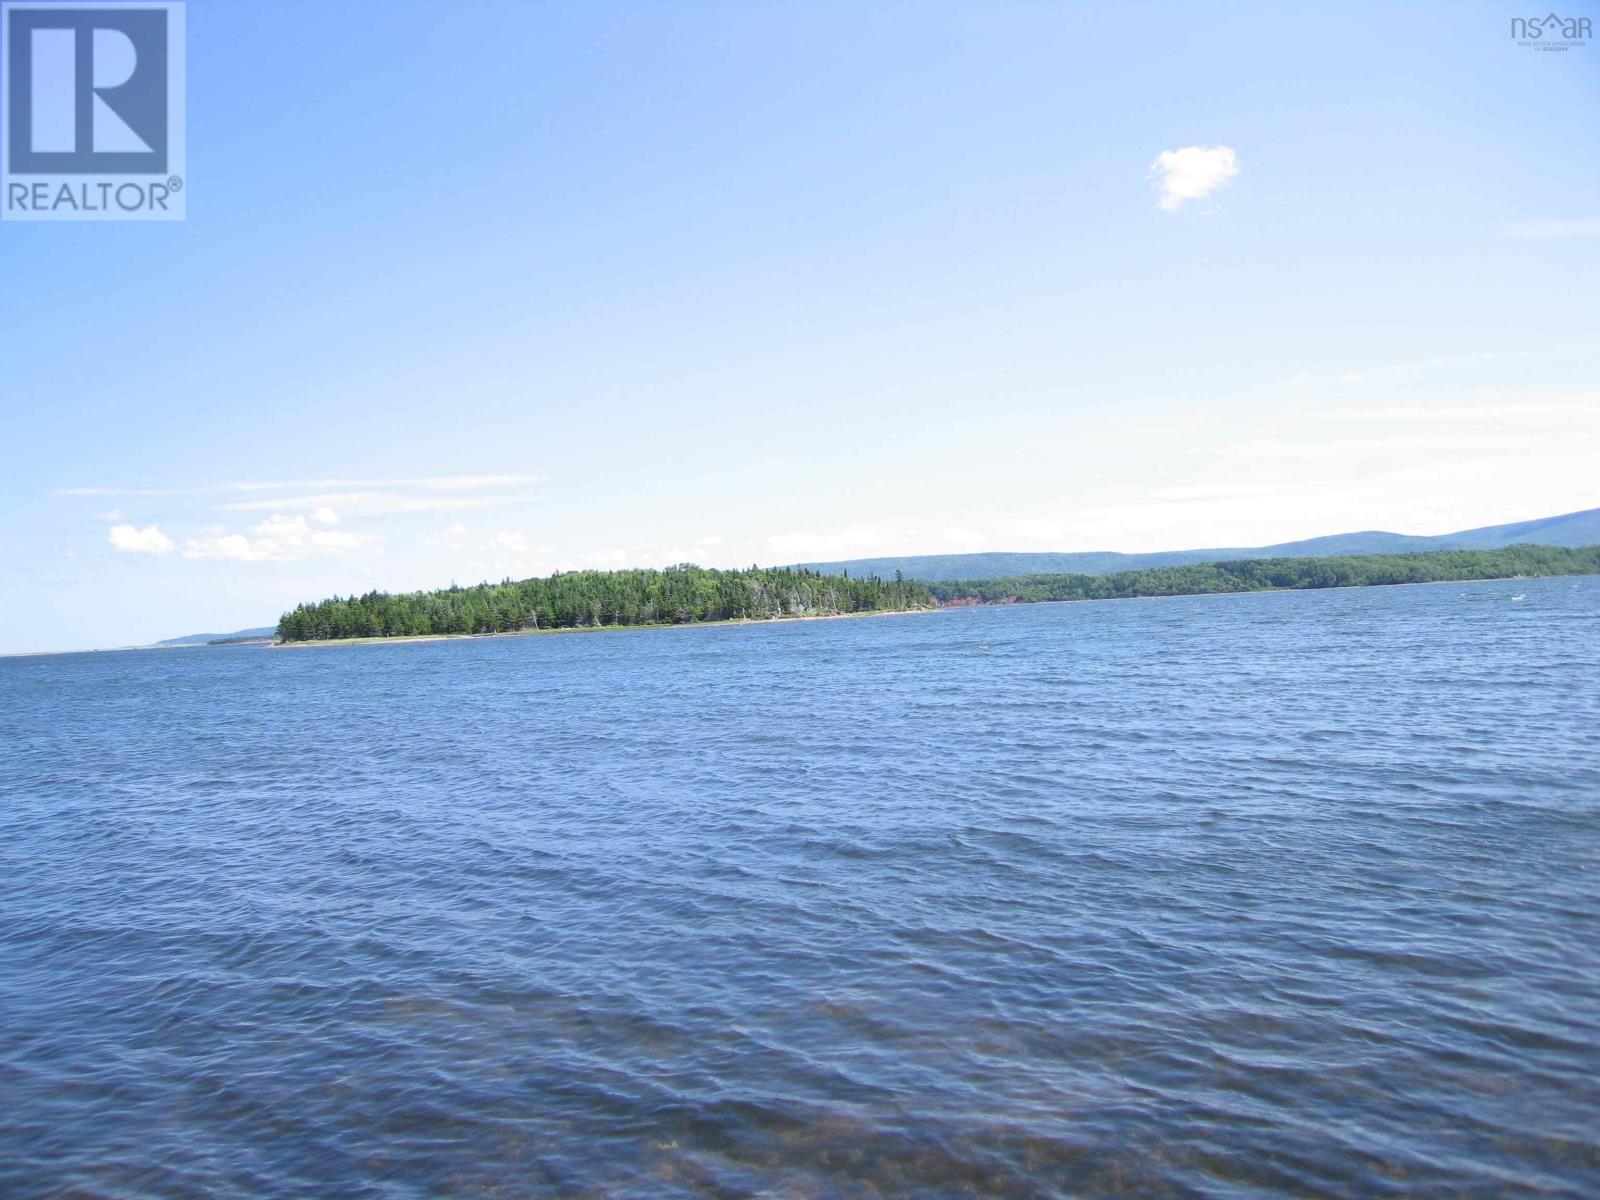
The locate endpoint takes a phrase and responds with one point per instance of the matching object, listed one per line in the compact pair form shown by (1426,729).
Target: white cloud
(508,541)
(287,528)
(294,534)
(1192,173)
(114,514)
(959,535)
(450,537)
(517,543)
(325,515)
(280,538)
(335,540)
(233,546)
(149,540)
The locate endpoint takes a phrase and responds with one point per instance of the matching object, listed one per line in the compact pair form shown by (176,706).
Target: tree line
(679,595)
(687,594)
(1262,574)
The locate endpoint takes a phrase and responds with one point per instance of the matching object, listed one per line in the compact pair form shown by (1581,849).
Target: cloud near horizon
(1192,173)
(293,527)
(818,546)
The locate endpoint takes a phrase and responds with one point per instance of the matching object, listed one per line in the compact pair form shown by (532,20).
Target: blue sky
(484,289)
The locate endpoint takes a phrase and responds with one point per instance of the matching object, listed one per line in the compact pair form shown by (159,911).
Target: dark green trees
(1261,574)
(676,596)
(687,594)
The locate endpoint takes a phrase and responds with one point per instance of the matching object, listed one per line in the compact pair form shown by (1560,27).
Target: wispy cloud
(451,537)
(1189,493)
(1035,529)
(640,554)
(1396,372)
(441,483)
(370,503)
(823,544)
(1192,173)
(1520,415)
(515,542)
(1538,446)
(1350,449)
(1583,227)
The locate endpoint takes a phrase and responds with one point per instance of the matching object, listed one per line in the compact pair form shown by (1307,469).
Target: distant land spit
(207,639)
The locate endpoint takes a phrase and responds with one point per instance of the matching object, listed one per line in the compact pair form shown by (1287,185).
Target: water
(1237,896)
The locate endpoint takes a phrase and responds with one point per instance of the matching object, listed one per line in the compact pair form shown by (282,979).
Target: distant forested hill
(676,596)
(1253,575)
(1570,530)
(202,639)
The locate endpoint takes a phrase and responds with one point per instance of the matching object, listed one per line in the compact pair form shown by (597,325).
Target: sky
(481,290)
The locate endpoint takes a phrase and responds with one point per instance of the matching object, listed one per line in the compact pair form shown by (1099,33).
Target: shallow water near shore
(1287,894)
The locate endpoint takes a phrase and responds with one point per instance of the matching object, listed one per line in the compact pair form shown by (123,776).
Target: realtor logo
(92,111)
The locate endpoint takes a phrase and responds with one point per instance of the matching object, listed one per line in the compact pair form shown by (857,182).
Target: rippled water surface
(1237,896)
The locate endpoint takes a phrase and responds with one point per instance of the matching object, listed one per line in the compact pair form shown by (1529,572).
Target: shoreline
(1271,591)
(441,637)
(515,633)
(895,612)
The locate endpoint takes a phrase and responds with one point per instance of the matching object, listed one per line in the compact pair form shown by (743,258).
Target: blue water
(1237,896)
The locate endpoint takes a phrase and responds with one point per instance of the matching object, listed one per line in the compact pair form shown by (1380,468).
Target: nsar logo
(1551,32)
(92,112)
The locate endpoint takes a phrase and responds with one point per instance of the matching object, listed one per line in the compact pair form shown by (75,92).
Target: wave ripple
(1236,896)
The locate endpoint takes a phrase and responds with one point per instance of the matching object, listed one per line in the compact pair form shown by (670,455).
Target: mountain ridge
(1569,530)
